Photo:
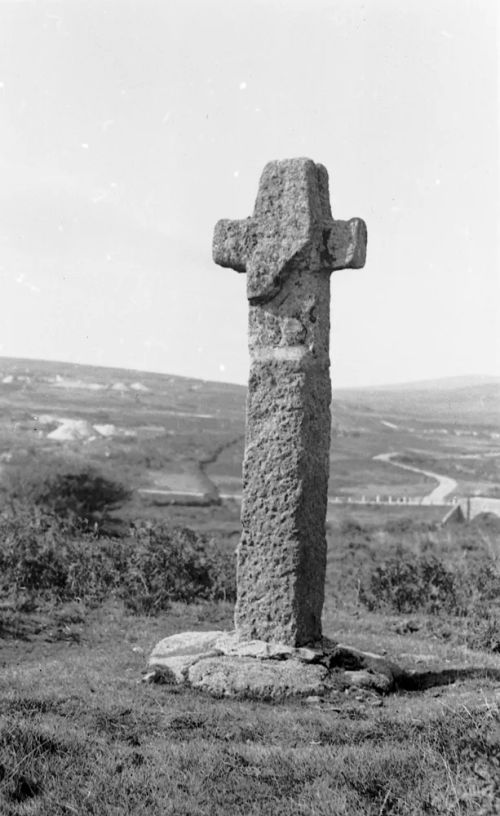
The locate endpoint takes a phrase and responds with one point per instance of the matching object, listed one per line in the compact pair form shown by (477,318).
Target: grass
(80,734)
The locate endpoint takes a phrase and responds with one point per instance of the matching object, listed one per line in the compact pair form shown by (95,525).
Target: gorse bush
(45,559)
(407,583)
(166,563)
(69,489)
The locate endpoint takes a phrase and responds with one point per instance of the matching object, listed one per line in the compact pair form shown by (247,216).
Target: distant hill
(455,400)
(439,384)
(163,433)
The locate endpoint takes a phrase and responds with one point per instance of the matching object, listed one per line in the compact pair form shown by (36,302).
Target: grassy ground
(80,733)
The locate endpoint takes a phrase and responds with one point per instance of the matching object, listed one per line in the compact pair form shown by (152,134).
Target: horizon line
(382,385)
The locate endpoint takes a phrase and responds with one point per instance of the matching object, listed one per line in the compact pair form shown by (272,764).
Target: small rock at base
(173,655)
(369,680)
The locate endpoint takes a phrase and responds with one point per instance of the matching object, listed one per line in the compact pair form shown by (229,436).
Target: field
(166,436)
(81,734)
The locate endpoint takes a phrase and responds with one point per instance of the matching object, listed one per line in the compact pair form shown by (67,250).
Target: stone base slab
(223,665)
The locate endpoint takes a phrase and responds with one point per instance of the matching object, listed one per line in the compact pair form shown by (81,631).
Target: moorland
(175,435)
(88,590)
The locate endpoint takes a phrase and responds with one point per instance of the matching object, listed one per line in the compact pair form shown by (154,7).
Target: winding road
(446,485)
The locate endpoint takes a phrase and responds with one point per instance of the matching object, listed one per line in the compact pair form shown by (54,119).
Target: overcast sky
(129,127)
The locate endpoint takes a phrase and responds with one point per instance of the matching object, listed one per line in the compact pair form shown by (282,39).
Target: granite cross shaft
(288,249)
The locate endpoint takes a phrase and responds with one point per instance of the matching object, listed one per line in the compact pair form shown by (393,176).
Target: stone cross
(288,249)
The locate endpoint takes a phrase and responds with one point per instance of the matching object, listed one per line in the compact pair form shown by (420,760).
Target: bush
(71,490)
(43,559)
(176,563)
(407,583)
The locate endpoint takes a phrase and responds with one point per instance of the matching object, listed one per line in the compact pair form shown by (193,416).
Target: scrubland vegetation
(445,578)
(81,608)
(55,547)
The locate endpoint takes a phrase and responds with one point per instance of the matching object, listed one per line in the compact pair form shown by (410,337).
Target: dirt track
(446,485)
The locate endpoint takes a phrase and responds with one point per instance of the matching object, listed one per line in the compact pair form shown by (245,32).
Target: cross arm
(345,244)
(233,243)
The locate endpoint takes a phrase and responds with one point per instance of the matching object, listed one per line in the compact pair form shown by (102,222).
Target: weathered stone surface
(287,248)
(175,654)
(350,659)
(363,678)
(292,215)
(221,663)
(231,644)
(261,679)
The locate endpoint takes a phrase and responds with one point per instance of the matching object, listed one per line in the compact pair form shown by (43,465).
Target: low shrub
(70,489)
(45,559)
(408,582)
(166,563)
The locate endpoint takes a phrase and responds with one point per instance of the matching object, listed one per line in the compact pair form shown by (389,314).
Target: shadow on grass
(420,681)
